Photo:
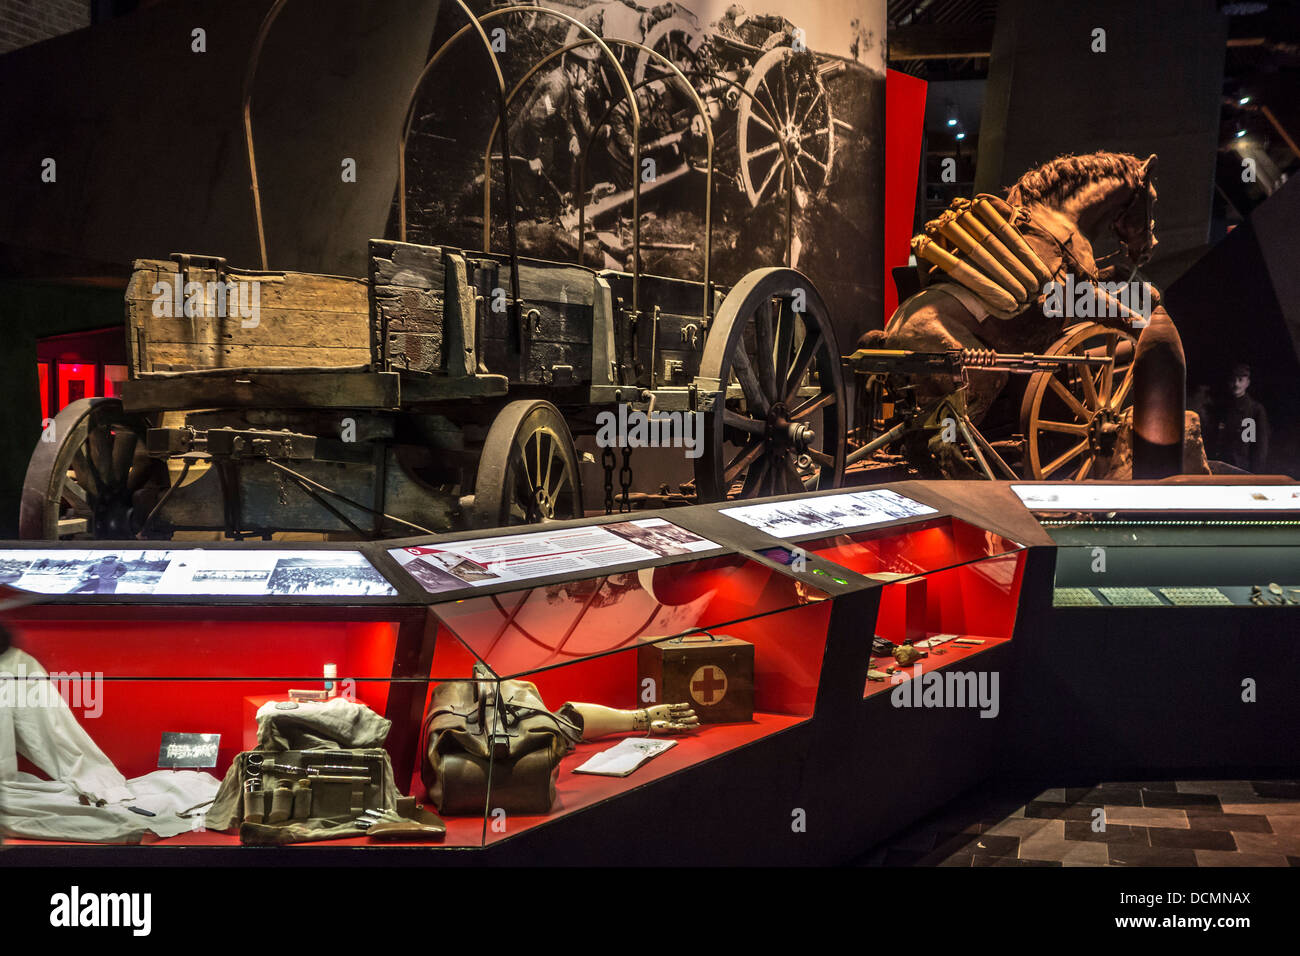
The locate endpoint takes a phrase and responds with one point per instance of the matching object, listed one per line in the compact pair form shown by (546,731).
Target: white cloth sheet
(86,798)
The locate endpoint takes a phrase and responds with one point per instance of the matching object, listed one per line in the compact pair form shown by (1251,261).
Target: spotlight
(1243,101)
(961,135)
(1240,133)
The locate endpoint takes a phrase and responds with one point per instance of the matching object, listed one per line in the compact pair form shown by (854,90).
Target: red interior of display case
(218,663)
(76,381)
(955,578)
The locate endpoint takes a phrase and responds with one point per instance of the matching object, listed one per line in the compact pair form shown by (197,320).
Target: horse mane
(1056,179)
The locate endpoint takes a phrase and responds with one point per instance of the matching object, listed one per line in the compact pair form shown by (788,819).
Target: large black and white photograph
(108,572)
(306,573)
(326,574)
(660,537)
(786,519)
(793,94)
(84,572)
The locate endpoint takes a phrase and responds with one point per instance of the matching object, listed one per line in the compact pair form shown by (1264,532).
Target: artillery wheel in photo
(779,426)
(787,83)
(93,479)
(528,471)
(1070,417)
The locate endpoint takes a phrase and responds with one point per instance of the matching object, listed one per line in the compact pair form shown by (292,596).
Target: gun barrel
(955,361)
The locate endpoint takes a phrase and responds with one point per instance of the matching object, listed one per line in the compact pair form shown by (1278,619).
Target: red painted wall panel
(904,129)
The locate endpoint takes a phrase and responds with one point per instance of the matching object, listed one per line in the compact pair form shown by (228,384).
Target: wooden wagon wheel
(1070,417)
(528,471)
(788,84)
(779,426)
(675,39)
(94,479)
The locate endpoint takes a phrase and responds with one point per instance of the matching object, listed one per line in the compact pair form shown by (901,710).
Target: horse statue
(993,270)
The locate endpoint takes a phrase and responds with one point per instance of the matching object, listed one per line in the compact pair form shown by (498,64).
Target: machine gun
(955,363)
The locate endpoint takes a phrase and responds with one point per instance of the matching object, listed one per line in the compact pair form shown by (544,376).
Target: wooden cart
(441,392)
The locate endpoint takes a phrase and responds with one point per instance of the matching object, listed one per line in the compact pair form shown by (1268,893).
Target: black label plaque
(188,750)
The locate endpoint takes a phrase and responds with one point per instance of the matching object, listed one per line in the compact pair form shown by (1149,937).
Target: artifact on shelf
(908,654)
(317,767)
(495,738)
(715,673)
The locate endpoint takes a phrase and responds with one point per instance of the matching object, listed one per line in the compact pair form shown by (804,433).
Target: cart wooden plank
(299,319)
(264,389)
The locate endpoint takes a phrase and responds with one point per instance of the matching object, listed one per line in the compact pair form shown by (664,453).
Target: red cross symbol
(705,681)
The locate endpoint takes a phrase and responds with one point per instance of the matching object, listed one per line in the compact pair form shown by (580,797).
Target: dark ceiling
(946,40)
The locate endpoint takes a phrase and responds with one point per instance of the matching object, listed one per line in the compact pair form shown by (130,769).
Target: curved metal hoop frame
(701,110)
(503,126)
(703,113)
(475,24)
(250,72)
(246,98)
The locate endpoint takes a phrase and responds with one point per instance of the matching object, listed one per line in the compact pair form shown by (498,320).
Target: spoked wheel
(779,427)
(675,39)
(94,479)
(1070,418)
(528,471)
(787,83)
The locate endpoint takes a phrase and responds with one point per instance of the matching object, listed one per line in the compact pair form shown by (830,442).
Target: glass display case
(499,682)
(1164,642)
(1171,545)
(949,588)
(136,675)
(736,642)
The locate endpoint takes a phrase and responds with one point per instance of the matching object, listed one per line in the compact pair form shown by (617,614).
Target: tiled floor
(1155,823)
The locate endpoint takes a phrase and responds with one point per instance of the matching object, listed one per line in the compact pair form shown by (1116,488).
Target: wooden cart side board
(438,309)
(407,293)
(459,313)
(300,319)
(603,355)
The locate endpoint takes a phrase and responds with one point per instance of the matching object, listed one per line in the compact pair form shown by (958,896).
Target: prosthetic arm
(598,721)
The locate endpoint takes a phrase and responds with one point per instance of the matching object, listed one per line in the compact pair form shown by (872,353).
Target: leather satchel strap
(492,718)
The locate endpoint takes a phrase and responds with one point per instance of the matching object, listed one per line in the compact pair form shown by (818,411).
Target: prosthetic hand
(664,719)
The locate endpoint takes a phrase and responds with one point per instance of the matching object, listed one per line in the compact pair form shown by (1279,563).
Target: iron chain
(607,461)
(625,480)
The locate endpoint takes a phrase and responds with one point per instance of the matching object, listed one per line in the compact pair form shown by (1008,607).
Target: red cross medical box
(712,673)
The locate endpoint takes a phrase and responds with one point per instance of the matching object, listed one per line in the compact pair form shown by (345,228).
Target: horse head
(1135,226)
